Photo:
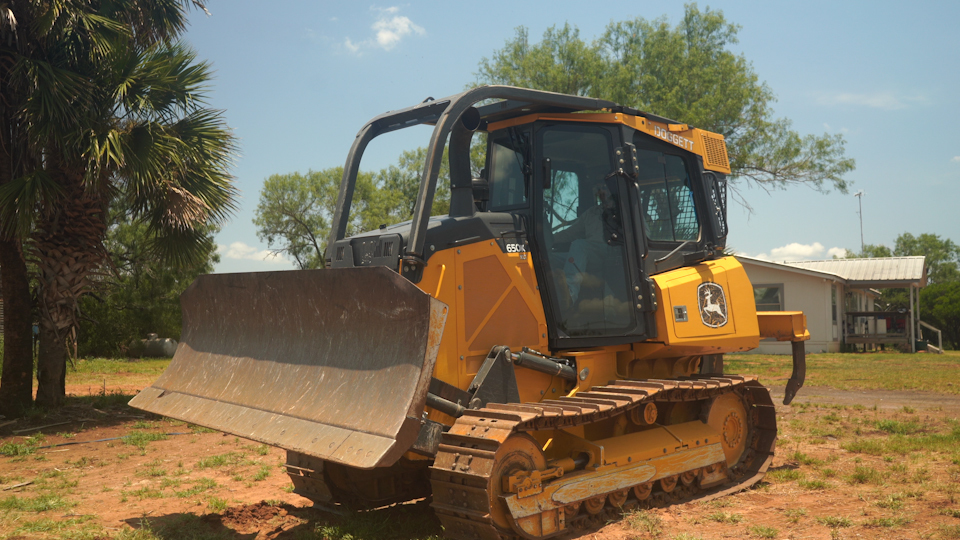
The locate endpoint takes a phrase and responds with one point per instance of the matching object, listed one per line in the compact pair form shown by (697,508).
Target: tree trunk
(68,248)
(16,384)
(51,367)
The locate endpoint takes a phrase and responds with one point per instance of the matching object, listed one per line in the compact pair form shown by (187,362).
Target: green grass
(835,522)
(40,503)
(216,504)
(865,475)
(945,442)
(762,531)
(886,522)
(781,476)
(643,521)
(725,517)
(141,439)
(221,460)
(887,371)
(814,485)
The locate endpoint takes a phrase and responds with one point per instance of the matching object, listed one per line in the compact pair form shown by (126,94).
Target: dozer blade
(331,363)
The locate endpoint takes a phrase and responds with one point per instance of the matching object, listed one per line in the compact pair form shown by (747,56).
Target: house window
(768,297)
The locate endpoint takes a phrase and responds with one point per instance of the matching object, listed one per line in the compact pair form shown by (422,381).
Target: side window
(507,186)
(666,198)
(768,297)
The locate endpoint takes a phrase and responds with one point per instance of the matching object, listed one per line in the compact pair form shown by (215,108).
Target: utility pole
(859,195)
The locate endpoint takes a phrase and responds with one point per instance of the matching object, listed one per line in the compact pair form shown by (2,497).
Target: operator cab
(599,226)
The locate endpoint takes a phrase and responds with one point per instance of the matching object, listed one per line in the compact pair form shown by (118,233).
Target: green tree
(140,293)
(139,132)
(940,307)
(942,256)
(295,210)
(685,72)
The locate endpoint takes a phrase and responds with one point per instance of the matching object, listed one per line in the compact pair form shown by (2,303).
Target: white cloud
(389,30)
(956,159)
(241,251)
(887,101)
(836,252)
(799,252)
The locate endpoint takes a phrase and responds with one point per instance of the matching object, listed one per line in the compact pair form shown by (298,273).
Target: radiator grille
(715,150)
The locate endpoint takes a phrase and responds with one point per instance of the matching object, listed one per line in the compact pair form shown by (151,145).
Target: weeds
(141,439)
(762,531)
(725,517)
(40,503)
(835,522)
(642,521)
(794,514)
(886,522)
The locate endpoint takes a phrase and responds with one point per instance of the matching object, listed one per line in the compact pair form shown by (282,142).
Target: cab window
(666,198)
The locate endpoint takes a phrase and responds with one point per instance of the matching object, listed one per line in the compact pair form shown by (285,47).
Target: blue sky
(299,79)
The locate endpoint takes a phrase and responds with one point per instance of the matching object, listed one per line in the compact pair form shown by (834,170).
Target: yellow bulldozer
(549,352)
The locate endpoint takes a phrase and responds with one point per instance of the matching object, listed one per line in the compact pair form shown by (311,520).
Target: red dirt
(117,486)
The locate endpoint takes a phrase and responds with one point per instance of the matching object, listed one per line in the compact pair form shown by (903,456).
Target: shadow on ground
(273,521)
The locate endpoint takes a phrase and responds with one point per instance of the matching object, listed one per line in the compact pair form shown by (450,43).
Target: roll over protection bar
(446,113)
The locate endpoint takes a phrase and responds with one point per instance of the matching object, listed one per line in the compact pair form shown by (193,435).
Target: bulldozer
(549,353)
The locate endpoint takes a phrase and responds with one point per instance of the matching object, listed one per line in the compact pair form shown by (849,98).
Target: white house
(838,296)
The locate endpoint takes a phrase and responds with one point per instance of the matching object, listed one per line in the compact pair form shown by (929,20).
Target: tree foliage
(142,292)
(295,210)
(686,72)
(103,104)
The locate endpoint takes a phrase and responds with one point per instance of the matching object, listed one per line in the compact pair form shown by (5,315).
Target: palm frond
(21,199)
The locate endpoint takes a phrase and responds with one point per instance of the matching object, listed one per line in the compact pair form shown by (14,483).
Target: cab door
(587,253)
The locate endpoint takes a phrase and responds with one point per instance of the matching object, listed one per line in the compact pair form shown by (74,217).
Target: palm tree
(137,130)
(151,144)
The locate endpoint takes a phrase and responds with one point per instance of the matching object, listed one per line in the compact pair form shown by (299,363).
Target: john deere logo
(713,304)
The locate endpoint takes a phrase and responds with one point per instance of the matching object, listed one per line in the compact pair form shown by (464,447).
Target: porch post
(913,341)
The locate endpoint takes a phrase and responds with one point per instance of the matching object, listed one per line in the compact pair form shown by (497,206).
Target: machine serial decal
(682,142)
(713,304)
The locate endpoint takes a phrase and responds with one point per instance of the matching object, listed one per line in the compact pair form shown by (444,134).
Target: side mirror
(481,188)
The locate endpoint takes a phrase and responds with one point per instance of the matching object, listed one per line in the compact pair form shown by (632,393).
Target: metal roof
(872,272)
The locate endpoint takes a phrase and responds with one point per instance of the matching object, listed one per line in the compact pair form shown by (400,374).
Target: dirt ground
(159,478)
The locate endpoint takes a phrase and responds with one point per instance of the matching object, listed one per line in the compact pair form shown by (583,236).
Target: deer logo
(713,304)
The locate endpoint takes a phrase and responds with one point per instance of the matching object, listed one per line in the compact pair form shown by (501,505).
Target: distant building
(838,297)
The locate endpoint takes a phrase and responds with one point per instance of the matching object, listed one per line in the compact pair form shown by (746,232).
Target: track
(487,445)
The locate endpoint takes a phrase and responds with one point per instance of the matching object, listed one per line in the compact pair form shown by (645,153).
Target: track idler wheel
(727,414)
(594,505)
(518,453)
(643,491)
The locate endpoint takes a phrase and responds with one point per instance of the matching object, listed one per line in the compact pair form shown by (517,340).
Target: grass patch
(891,502)
(794,514)
(781,476)
(949,532)
(216,504)
(865,475)
(762,531)
(814,485)
(40,503)
(804,459)
(201,485)
(221,460)
(643,521)
(725,517)
(835,522)
(886,522)
(898,427)
(952,512)
(262,474)
(844,371)
(141,439)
